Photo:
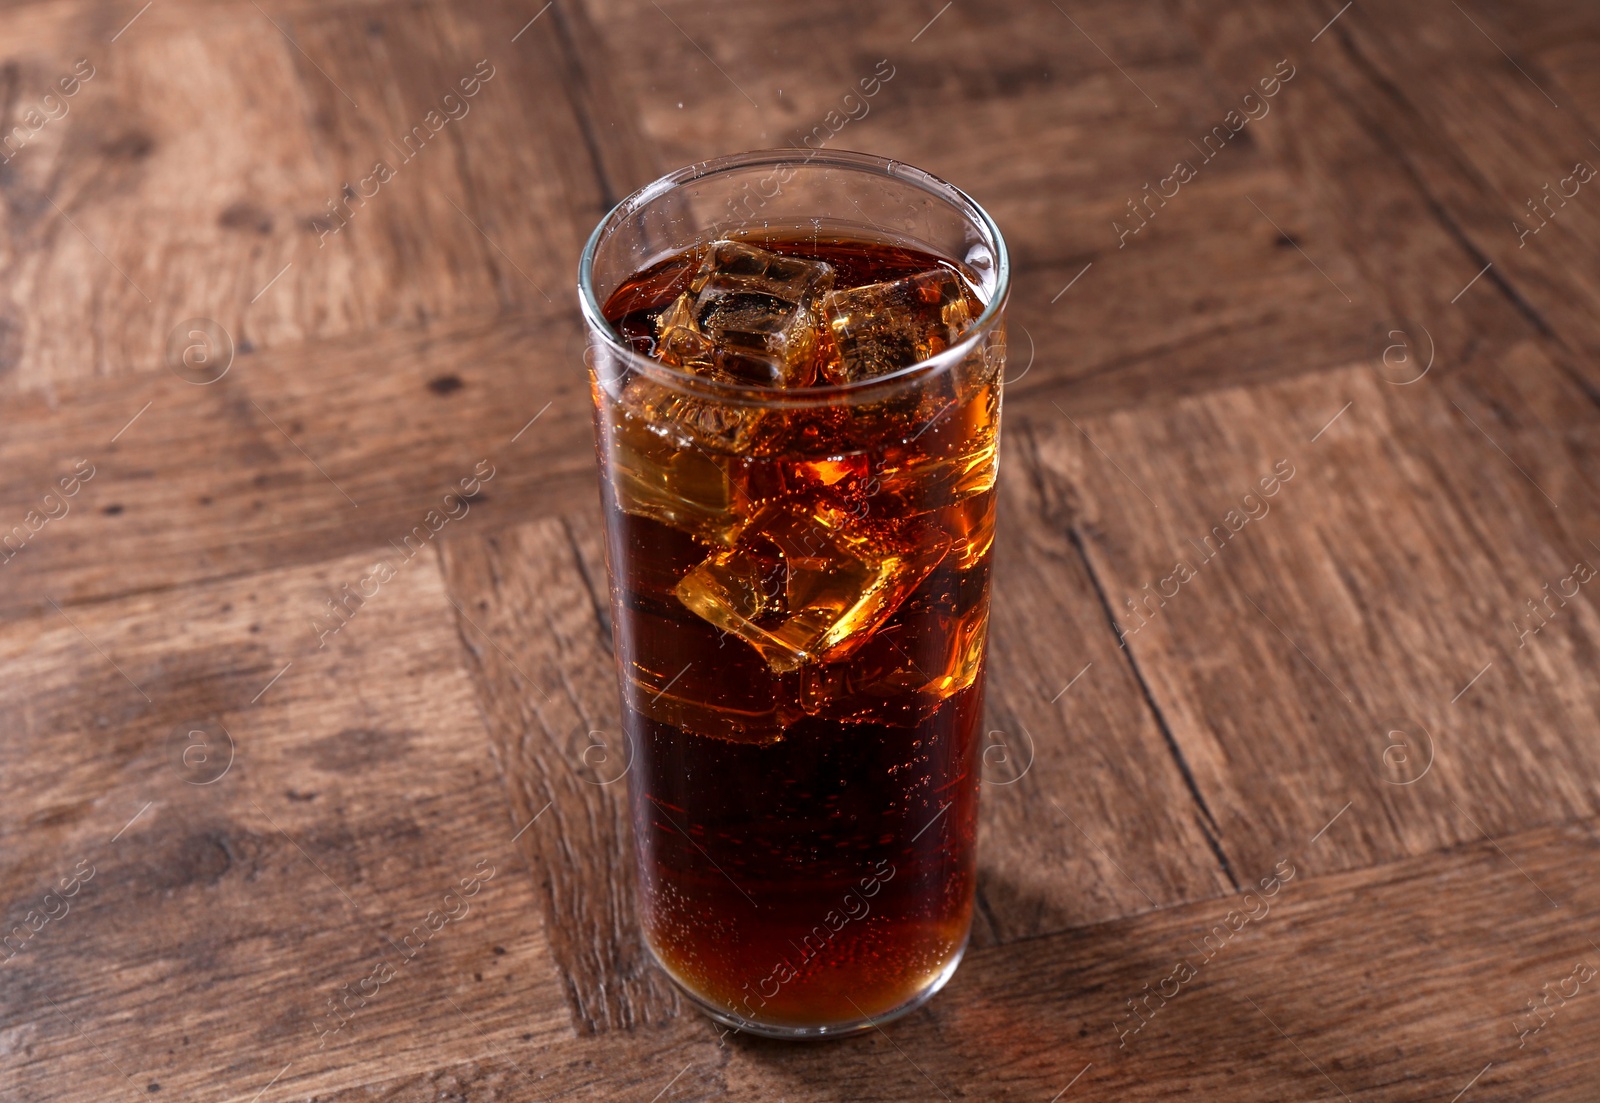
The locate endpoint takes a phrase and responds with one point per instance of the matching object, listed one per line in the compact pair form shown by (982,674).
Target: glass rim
(754,394)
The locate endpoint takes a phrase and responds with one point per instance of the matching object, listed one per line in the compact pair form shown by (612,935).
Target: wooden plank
(1486,166)
(227,137)
(235,894)
(491,203)
(1339,138)
(84,294)
(1379,580)
(1374,148)
(729,76)
(1086,814)
(680,1063)
(1214,296)
(1433,152)
(1558,44)
(1288,1005)
(624,160)
(531,607)
(1295,1005)
(263,466)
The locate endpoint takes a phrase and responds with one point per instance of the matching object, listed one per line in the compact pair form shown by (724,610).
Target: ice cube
(882,327)
(670,478)
(801,586)
(952,455)
(749,316)
(970,524)
(733,267)
(923,657)
(678,338)
(690,421)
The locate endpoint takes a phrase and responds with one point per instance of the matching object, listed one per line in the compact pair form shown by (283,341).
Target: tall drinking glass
(796,366)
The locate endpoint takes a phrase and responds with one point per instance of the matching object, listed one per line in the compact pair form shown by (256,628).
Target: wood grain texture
(1294,1004)
(1289,617)
(1558,44)
(1484,174)
(293,456)
(236,901)
(1078,826)
(531,603)
(1280,306)
(1419,190)
(244,146)
(683,1062)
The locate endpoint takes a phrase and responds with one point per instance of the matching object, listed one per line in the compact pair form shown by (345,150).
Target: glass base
(813,1033)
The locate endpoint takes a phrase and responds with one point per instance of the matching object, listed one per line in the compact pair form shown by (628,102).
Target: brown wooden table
(1372,282)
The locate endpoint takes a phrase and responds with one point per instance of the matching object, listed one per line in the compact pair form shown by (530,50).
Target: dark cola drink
(798,472)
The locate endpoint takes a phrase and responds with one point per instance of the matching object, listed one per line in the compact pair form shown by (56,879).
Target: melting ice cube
(800,586)
(882,327)
(749,316)
(661,471)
